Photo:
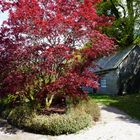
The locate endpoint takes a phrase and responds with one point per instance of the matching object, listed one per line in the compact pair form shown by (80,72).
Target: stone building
(119,73)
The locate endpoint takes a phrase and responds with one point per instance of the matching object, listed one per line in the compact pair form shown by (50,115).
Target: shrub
(90,107)
(6,102)
(19,115)
(55,124)
(5,113)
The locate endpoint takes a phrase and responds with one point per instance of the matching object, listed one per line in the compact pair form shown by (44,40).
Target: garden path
(113,125)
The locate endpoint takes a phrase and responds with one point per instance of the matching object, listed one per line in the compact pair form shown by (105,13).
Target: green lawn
(128,103)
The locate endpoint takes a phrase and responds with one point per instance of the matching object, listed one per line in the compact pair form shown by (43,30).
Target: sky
(3,16)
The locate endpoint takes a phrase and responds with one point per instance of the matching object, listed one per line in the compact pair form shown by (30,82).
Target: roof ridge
(120,61)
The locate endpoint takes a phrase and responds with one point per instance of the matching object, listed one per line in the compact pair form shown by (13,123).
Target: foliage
(127,17)
(55,124)
(90,107)
(128,103)
(12,115)
(137,41)
(37,45)
(7,101)
(76,118)
(61,124)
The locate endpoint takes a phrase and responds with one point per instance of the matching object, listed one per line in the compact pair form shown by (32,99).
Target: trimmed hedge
(75,119)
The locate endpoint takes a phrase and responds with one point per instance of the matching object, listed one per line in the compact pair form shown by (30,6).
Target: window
(103,83)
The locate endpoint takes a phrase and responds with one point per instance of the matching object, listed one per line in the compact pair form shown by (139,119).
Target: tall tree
(127,20)
(38,44)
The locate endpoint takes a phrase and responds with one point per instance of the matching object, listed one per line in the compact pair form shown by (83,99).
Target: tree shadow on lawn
(121,115)
(6,128)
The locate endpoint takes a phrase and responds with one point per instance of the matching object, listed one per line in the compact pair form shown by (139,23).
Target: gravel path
(113,125)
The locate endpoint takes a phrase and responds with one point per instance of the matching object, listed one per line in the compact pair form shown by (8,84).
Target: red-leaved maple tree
(42,51)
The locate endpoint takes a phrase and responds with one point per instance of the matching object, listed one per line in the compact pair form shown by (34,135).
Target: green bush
(5,113)
(55,124)
(76,118)
(19,116)
(90,107)
(6,102)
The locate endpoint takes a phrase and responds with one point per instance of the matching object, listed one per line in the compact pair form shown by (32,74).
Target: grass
(130,104)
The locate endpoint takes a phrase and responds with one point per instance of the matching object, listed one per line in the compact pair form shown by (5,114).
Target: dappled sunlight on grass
(130,104)
(104,99)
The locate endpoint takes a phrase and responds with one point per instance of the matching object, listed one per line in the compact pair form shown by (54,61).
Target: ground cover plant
(74,119)
(42,60)
(128,103)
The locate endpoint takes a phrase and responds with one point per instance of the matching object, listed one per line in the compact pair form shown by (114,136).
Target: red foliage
(38,44)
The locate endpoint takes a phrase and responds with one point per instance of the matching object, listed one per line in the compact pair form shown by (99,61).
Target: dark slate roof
(113,61)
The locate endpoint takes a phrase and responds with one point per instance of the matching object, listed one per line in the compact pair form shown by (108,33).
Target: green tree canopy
(127,20)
